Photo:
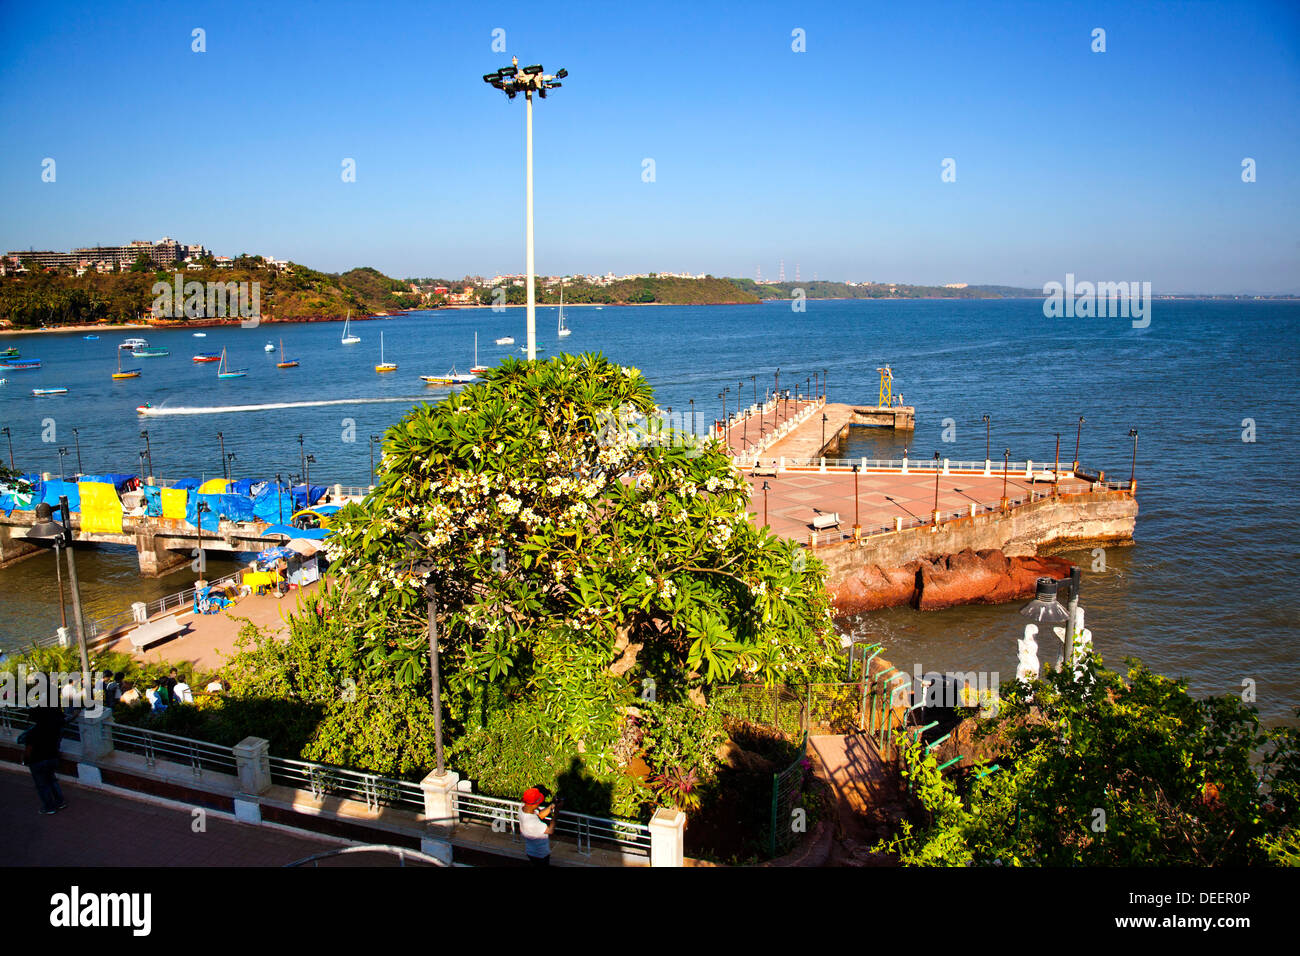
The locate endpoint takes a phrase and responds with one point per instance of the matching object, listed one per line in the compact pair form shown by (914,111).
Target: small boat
(224,371)
(476,369)
(11,352)
(21,365)
(141,409)
(207,357)
(384,366)
(268,347)
(124,373)
(148,352)
(2,381)
(134,344)
(349,339)
(563,329)
(599,307)
(42,392)
(200,335)
(285,363)
(91,338)
(506,340)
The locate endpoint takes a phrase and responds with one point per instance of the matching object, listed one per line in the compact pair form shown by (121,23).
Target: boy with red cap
(536,821)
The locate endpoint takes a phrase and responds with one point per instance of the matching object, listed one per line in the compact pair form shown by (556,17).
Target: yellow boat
(124,373)
(384,366)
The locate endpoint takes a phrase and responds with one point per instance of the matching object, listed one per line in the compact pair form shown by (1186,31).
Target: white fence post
(440,797)
(667,833)
(253,765)
(1029,468)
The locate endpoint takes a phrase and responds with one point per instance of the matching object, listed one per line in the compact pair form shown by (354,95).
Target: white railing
(154,745)
(323,780)
(503,817)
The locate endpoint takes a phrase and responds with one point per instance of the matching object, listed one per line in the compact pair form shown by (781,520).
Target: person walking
(536,823)
(41,754)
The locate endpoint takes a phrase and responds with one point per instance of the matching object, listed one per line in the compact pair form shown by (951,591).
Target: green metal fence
(787,789)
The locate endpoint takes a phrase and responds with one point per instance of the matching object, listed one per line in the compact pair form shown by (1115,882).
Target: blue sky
(1117,165)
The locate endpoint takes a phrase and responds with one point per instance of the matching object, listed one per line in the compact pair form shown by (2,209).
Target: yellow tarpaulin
(213,486)
(101,511)
(173,503)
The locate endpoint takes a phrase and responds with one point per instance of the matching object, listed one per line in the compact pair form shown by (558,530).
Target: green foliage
(1113,770)
(681,738)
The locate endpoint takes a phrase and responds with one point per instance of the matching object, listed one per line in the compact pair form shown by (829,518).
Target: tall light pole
(302,454)
(857,527)
(373,439)
(512,81)
(308,462)
(692,403)
(148,451)
(754,379)
(986,438)
(1132,475)
(76,439)
(1077,435)
(62,452)
(61,532)
(225,470)
(1006,464)
(766,488)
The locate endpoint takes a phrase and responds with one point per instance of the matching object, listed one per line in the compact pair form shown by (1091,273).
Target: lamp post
(1006,463)
(723,395)
(824,393)
(1046,609)
(857,528)
(1077,435)
(1056,468)
(373,439)
(754,379)
(302,455)
(512,81)
(1132,475)
(200,510)
(766,488)
(824,421)
(62,452)
(230,456)
(76,440)
(224,470)
(310,460)
(11,447)
(692,404)
(936,489)
(61,532)
(279,495)
(816,385)
(425,569)
(148,450)
(986,439)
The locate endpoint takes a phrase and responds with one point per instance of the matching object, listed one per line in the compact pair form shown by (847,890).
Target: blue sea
(1209,385)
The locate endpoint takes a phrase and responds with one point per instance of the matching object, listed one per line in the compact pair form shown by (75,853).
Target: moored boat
(124,373)
(506,340)
(42,392)
(349,339)
(284,362)
(134,344)
(384,366)
(150,352)
(11,352)
(224,371)
(207,357)
(21,365)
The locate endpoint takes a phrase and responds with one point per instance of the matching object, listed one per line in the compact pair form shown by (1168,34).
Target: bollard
(904,466)
(440,808)
(972,509)
(1029,468)
(945,466)
(898,522)
(822,468)
(252,761)
(988,465)
(781,466)
(667,832)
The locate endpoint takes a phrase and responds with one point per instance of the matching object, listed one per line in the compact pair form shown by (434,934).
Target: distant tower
(796,272)
(758,275)
(782,279)
(886,386)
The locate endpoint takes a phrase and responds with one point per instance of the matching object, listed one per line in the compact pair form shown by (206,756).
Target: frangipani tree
(574,552)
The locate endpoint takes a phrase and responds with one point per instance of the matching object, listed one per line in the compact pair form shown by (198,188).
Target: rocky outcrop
(931,584)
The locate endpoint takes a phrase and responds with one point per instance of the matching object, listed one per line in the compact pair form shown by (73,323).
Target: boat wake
(269,406)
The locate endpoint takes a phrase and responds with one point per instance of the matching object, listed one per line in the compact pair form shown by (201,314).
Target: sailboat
(562,331)
(349,339)
(285,363)
(477,369)
(384,366)
(225,371)
(124,373)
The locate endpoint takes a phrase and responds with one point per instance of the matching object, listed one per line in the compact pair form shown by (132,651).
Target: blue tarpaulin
(283,529)
(152,501)
(273,506)
(305,497)
(52,490)
(117,480)
(186,484)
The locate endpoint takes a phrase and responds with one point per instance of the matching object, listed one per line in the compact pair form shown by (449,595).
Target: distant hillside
(663,291)
(30,300)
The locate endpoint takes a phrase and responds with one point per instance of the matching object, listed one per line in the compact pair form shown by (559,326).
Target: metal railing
(502,816)
(323,780)
(154,745)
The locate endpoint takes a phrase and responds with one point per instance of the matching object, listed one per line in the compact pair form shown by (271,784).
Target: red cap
(532,797)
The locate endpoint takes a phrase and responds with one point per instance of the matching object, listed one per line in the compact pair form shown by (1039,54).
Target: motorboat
(42,392)
(148,352)
(134,344)
(506,340)
(21,365)
(207,357)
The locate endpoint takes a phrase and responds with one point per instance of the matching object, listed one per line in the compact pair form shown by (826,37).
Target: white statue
(1027,663)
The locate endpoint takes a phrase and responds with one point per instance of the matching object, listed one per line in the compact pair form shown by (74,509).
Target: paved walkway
(867,801)
(104,828)
(795,498)
(745,433)
(210,638)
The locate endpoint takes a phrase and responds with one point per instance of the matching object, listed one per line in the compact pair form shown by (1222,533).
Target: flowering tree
(576,551)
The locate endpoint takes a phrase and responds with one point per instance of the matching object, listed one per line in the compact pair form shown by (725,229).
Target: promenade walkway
(794,497)
(106,828)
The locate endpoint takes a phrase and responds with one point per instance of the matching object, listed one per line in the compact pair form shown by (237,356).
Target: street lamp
(823,384)
(856,526)
(1132,475)
(766,488)
(692,404)
(1046,609)
(986,439)
(311,460)
(754,380)
(224,469)
(936,489)
(230,456)
(61,534)
(723,395)
(512,81)
(824,421)
(76,438)
(302,454)
(62,452)
(11,447)
(1077,435)
(200,510)
(148,451)
(279,495)
(1006,463)
(373,439)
